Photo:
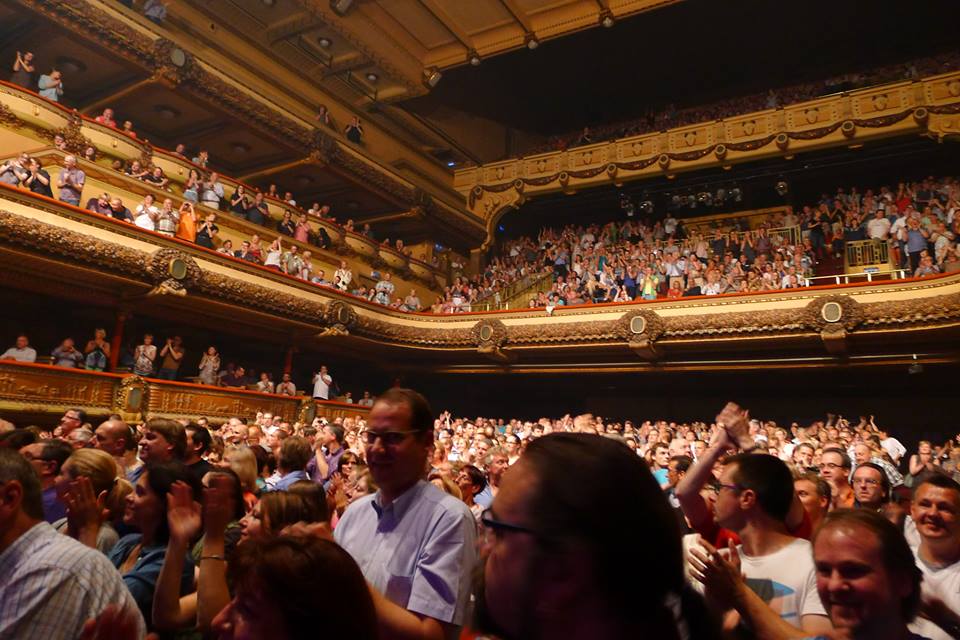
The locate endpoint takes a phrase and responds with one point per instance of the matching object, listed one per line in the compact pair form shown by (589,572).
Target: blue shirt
(284,483)
(50,584)
(53,509)
(142,579)
(485,497)
(419,551)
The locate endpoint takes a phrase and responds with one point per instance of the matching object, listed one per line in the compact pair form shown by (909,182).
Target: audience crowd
(670,116)
(918,222)
(829,529)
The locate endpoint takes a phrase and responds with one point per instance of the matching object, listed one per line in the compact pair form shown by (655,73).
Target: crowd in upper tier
(635,259)
(670,116)
(257,527)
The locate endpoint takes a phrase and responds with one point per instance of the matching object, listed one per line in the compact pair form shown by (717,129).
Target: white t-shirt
(321,386)
(786,580)
(943,584)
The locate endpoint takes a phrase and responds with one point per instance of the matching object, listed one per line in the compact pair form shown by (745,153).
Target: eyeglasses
(829,465)
(389,438)
(498,528)
(867,481)
(732,487)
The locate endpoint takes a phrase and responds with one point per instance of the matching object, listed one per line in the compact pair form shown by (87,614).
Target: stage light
(782,188)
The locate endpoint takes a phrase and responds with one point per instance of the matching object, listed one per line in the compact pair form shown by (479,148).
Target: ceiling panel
(536,6)
(421,24)
(476,17)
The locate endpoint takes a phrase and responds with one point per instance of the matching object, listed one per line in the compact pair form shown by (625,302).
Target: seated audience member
(114,436)
(935,511)
(277,591)
(265,385)
(66,355)
(286,386)
(118,211)
(47,458)
(871,488)
(139,556)
(38,180)
(88,485)
(71,181)
(437,529)
(106,118)
(100,204)
(21,351)
(236,378)
(51,584)
(156,177)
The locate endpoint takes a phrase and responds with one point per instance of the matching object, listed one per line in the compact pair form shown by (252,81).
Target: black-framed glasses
(389,438)
(733,487)
(497,526)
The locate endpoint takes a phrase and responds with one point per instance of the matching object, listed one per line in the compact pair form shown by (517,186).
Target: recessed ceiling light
(474,58)
(269,3)
(166,112)
(606,18)
(372,77)
(325,42)
(240,147)
(531,41)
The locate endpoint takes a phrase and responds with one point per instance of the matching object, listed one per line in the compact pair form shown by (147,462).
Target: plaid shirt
(50,584)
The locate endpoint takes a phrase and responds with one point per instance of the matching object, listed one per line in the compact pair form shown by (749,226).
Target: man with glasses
(835,469)
(46,458)
(871,488)
(415,544)
(72,419)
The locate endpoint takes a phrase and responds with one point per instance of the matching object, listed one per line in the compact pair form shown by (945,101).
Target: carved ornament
(173,272)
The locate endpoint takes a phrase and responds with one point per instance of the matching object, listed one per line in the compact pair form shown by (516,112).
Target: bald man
(116,438)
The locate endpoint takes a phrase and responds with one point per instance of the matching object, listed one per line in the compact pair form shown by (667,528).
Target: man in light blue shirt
(295,453)
(51,86)
(415,544)
(50,584)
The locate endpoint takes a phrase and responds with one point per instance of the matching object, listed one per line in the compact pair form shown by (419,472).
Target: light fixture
(606,18)
(782,188)
(646,206)
(431,76)
(915,367)
(705,197)
(530,40)
(268,3)
(451,163)
(340,7)
(325,42)
(372,77)
(474,58)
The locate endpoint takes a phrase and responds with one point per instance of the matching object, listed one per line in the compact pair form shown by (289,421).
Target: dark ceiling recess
(690,53)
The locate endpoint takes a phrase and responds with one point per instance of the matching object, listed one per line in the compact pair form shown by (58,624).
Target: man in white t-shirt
(22,352)
(936,513)
(321,384)
(755,496)
(879,227)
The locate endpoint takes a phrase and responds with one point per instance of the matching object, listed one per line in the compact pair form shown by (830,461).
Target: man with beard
(936,513)
(415,544)
(554,540)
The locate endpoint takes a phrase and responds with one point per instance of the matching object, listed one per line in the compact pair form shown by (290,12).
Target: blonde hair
(243,462)
(101,468)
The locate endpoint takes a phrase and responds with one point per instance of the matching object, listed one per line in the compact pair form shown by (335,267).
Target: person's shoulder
(443,501)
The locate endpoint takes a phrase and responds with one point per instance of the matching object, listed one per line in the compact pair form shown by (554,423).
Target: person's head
(495,462)
(100,467)
(753,488)
(399,437)
(332,433)
(146,507)
(274,511)
(71,419)
(21,496)
(471,481)
(867,577)
(243,462)
(295,453)
(198,441)
(70,161)
(803,455)
(862,453)
(276,592)
(815,494)
(47,457)
(936,509)
(834,465)
(871,488)
(315,499)
(163,441)
(546,553)
(661,455)
(677,467)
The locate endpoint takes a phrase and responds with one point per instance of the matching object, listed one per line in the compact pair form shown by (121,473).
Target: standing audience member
(50,85)
(936,513)
(23,70)
(71,181)
(172,357)
(414,543)
(51,584)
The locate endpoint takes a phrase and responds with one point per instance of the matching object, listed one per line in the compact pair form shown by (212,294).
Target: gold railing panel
(867,254)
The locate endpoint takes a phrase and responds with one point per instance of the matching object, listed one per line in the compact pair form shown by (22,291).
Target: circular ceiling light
(325,42)
(372,77)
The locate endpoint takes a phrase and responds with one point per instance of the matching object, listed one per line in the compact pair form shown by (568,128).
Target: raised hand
(183,514)
(721,577)
(218,507)
(85,511)
(736,422)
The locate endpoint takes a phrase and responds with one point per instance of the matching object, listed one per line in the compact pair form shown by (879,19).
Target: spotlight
(782,188)
(531,41)
(431,76)
(606,18)
(915,367)
(474,58)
